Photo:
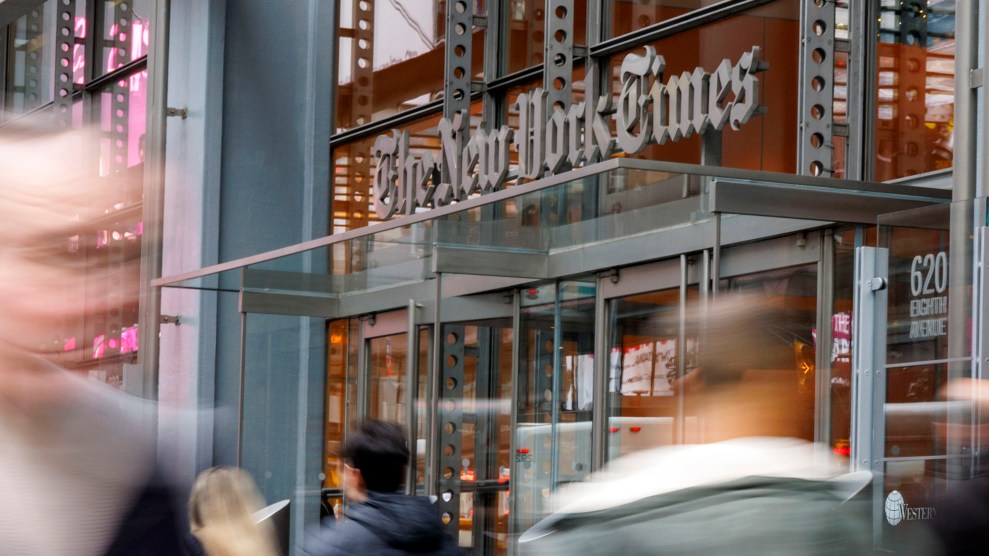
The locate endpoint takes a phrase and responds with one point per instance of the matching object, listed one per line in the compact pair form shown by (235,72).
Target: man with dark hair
(379,519)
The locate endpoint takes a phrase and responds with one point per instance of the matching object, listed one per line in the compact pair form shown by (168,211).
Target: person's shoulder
(347,537)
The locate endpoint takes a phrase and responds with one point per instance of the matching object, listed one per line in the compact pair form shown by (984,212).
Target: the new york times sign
(651,110)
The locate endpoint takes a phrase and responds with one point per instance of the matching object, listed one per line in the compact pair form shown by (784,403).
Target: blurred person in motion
(753,485)
(77,463)
(221,516)
(379,519)
(962,522)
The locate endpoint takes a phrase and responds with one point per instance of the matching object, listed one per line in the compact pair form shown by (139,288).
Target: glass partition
(281,411)
(929,436)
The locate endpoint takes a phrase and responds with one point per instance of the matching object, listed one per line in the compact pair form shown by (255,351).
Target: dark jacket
(387,525)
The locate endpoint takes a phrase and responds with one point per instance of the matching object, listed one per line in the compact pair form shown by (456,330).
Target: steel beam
(558,72)
(816,145)
(459,71)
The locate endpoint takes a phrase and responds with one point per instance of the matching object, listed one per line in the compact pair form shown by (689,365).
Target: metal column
(458,72)
(868,427)
(451,417)
(816,145)
(65,39)
(558,72)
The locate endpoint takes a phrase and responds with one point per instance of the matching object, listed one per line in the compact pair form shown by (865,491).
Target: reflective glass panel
(31,59)
(477,378)
(929,295)
(915,68)
(123,123)
(644,368)
(124,32)
(391,57)
(625,16)
(526,33)
(773,335)
(765,142)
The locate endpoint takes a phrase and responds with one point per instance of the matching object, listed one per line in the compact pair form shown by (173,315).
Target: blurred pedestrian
(379,519)
(77,457)
(962,522)
(221,516)
(754,487)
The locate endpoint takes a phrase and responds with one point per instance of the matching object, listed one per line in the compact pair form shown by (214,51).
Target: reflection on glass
(784,350)
(391,58)
(841,23)
(643,372)
(919,422)
(841,340)
(354,166)
(553,437)
(626,16)
(386,372)
(918,294)
(340,389)
(122,116)
(916,67)
(910,495)
(527,32)
(125,32)
(31,59)
(765,143)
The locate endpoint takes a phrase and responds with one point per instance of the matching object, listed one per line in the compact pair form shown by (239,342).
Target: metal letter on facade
(551,139)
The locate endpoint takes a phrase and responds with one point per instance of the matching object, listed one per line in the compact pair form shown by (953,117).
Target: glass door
(555,394)
(648,352)
(659,391)
(476,419)
(387,391)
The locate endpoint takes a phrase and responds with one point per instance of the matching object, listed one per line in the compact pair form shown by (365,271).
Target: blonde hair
(221,509)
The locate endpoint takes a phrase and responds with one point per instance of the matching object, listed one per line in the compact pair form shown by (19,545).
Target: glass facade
(56,69)
(915,68)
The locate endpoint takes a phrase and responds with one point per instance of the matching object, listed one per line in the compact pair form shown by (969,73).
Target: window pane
(124,32)
(31,60)
(765,142)
(631,15)
(915,103)
(643,370)
(391,58)
(527,30)
(122,125)
(354,166)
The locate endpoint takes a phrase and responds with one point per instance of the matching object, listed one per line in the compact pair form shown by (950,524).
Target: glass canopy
(601,203)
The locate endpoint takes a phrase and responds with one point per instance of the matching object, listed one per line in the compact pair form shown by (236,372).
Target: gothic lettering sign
(651,109)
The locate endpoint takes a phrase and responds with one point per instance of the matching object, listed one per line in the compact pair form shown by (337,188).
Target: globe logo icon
(894,507)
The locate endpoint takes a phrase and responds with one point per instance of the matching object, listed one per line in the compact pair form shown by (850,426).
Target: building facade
(488,220)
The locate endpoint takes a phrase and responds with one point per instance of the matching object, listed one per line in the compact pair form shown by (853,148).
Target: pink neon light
(128,340)
(99,347)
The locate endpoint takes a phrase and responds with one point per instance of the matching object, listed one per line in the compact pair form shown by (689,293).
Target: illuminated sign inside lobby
(553,139)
